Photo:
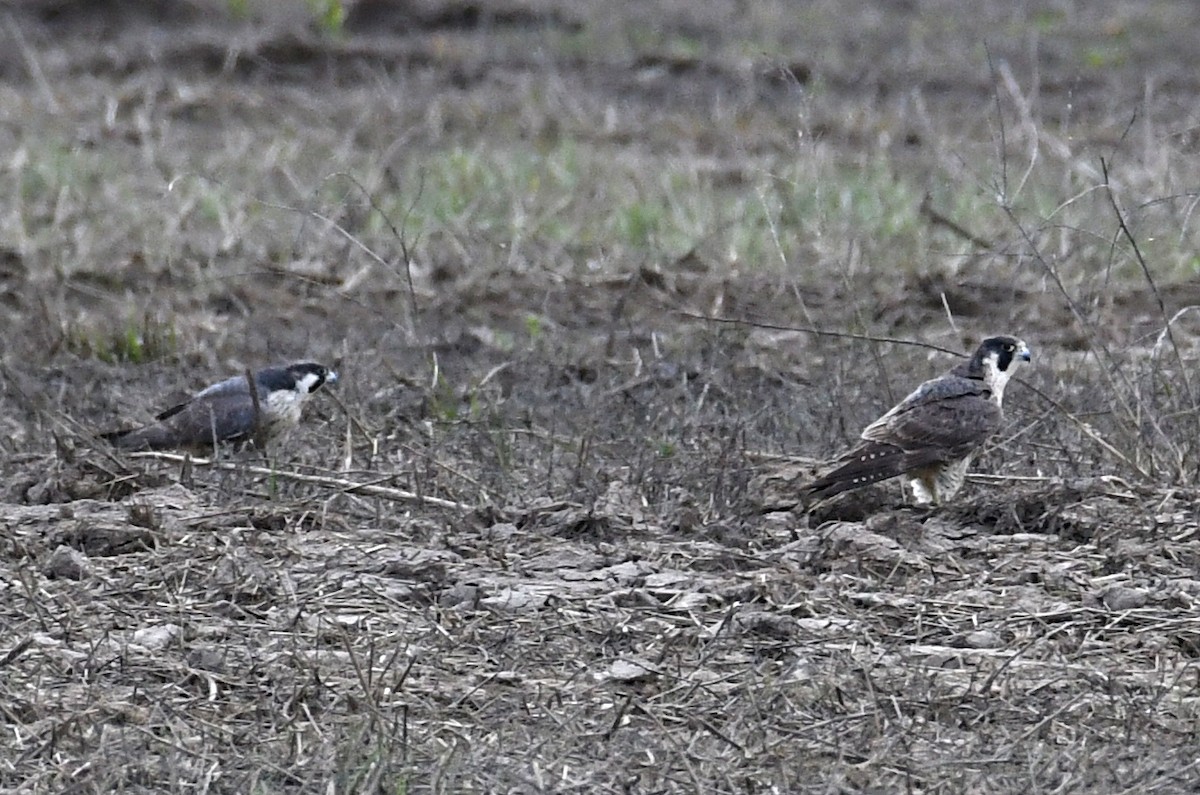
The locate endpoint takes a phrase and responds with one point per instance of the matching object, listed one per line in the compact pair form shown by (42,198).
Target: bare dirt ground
(543,536)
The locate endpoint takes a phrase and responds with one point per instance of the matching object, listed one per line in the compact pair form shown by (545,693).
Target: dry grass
(533,541)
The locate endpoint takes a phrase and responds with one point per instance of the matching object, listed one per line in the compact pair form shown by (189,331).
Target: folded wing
(941,422)
(223,417)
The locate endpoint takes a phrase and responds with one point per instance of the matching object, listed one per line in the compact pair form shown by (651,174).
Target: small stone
(630,670)
(767,624)
(460,594)
(206,658)
(159,637)
(1120,598)
(66,563)
(982,639)
(515,600)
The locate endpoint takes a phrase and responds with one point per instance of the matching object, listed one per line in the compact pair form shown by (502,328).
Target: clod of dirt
(856,506)
(145,515)
(206,658)
(83,480)
(1120,597)
(622,502)
(895,524)
(66,563)
(269,521)
(777,486)
(159,637)
(982,639)
(766,624)
(628,670)
(516,600)
(417,564)
(462,594)
(103,538)
(241,576)
(838,538)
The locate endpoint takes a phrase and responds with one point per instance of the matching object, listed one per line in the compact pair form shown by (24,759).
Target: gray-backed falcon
(929,436)
(226,412)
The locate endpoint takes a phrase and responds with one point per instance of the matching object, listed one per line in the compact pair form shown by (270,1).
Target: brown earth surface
(544,536)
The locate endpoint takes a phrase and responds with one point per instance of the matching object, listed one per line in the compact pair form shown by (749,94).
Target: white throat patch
(305,385)
(995,378)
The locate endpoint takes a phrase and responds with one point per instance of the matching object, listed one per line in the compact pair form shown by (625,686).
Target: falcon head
(995,360)
(304,378)
(299,380)
(283,390)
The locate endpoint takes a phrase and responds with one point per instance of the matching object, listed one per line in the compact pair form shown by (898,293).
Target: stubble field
(604,283)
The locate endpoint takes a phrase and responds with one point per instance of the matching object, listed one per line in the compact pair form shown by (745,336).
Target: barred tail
(866,464)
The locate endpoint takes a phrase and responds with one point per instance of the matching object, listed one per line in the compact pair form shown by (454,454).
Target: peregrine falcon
(929,436)
(229,412)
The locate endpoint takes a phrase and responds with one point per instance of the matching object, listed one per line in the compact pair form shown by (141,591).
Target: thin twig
(398,233)
(1096,345)
(256,427)
(1137,253)
(346,486)
(1086,429)
(937,219)
(1000,125)
(32,64)
(819,332)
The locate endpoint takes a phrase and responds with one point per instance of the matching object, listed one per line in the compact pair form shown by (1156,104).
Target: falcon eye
(1010,348)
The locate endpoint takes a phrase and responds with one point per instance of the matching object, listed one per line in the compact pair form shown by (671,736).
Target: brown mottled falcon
(929,436)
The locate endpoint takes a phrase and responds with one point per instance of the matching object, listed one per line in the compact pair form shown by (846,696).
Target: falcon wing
(229,417)
(225,417)
(230,386)
(943,388)
(941,421)
(950,415)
